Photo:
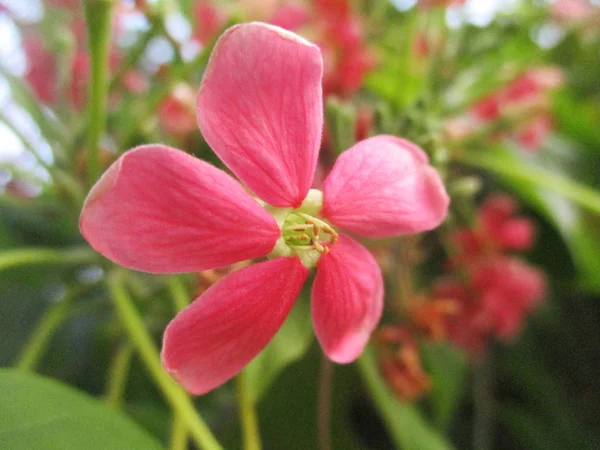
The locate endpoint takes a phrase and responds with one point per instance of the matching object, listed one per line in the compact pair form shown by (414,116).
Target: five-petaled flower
(157,209)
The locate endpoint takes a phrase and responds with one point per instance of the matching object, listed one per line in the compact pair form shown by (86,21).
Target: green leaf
(448,367)
(508,166)
(407,427)
(40,413)
(289,345)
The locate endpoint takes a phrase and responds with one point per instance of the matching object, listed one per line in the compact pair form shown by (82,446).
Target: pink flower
(210,18)
(573,10)
(41,70)
(160,210)
(177,114)
(525,100)
(498,230)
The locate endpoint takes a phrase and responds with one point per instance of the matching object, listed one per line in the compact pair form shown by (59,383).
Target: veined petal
(383,186)
(347,299)
(226,327)
(157,209)
(260,108)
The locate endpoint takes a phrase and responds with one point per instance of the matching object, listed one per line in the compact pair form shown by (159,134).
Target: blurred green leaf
(408,428)
(289,345)
(40,413)
(448,367)
(509,166)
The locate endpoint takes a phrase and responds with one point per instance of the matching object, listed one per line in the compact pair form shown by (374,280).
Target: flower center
(302,232)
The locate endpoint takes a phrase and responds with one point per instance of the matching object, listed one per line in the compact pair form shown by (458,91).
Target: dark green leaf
(40,413)
(408,428)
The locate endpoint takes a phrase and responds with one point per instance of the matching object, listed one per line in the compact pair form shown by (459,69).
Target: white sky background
(12,59)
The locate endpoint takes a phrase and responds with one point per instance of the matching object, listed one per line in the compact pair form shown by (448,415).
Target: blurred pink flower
(160,210)
(573,10)
(498,230)
(494,292)
(493,301)
(80,74)
(177,112)
(210,18)
(525,101)
(41,70)
(333,25)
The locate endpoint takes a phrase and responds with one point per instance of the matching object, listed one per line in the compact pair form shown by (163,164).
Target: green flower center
(302,232)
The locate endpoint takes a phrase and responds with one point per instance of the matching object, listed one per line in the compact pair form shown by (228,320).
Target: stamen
(309,232)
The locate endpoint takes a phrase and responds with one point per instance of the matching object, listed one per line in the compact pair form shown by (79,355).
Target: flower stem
(37,255)
(98,18)
(52,319)
(117,375)
(247,414)
(324,403)
(142,341)
(179,293)
(483,399)
(179,433)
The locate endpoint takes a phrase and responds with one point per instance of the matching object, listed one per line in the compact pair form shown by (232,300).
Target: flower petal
(224,329)
(383,186)
(260,108)
(157,209)
(347,299)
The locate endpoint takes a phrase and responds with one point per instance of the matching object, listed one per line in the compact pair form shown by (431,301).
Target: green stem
(179,293)
(179,72)
(134,55)
(407,427)
(247,414)
(585,196)
(60,177)
(98,19)
(142,341)
(117,375)
(324,403)
(179,433)
(483,398)
(368,370)
(52,319)
(25,141)
(40,255)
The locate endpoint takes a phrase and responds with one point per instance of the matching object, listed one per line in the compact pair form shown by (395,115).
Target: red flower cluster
(42,73)
(341,38)
(523,104)
(494,291)
(525,98)
(332,24)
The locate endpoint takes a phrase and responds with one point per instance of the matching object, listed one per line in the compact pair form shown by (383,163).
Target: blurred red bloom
(177,113)
(495,298)
(498,230)
(494,291)
(400,364)
(41,70)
